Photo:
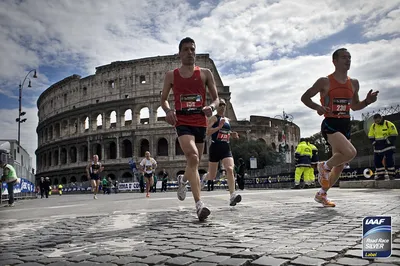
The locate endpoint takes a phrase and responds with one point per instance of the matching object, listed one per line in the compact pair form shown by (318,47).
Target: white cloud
(254,40)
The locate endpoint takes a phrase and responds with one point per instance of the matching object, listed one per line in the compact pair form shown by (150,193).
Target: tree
(245,149)
(324,149)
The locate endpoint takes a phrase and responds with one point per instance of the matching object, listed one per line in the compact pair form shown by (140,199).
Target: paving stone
(304,260)
(235,262)
(354,253)
(322,255)
(126,260)
(32,258)
(180,261)
(199,254)
(8,256)
(121,253)
(352,261)
(394,260)
(381,264)
(103,259)
(143,254)
(80,258)
(156,259)
(230,251)
(269,261)
(203,264)
(248,254)
(332,248)
(51,260)
(59,263)
(11,262)
(30,264)
(175,252)
(289,256)
(214,259)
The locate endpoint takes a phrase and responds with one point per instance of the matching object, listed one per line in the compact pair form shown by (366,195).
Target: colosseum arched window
(273,146)
(160,114)
(73,129)
(111,150)
(73,179)
(55,157)
(144,117)
(178,149)
(73,154)
(57,130)
(261,140)
(49,159)
(127,117)
(51,132)
(86,124)
(64,180)
(84,178)
(111,119)
(144,146)
(83,153)
(46,135)
(127,176)
(162,147)
(63,156)
(99,121)
(126,148)
(64,128)
(55,181)
(112,176)
(96,149)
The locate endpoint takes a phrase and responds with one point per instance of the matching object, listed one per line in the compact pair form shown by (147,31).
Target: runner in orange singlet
(339,94)
(190,116)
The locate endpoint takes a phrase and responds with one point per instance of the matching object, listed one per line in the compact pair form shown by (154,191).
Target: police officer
(303,162)
(314,161)
(382,135)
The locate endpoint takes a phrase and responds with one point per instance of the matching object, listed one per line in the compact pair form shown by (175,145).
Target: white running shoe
(202,211)
(203,181)
(94,197)
(235,198)
(181,188)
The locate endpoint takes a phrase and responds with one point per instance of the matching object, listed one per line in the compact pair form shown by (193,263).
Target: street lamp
(20,113)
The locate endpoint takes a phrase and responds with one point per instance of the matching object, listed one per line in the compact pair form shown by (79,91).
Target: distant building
(17,157)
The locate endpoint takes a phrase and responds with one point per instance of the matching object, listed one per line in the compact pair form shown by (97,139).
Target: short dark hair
(335,54)
(303,139)
(377,116)
(186,40)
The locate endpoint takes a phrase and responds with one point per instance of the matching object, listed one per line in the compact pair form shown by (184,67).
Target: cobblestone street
(271,227)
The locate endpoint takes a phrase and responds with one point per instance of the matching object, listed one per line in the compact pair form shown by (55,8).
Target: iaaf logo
(374,221)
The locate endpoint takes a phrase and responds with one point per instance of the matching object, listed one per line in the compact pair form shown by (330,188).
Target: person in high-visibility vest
(303,162)
(60,187)
(9,177)
(309,177)
(382,135)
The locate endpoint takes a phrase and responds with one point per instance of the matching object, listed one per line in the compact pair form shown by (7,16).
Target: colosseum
(116,114)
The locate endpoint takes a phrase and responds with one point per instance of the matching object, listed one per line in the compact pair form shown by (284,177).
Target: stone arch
(127,176)
(178,149)
(63,181)
(83,153)
(144,116)
(273,146)
(261,140)
(99,121)
(49,158)
(96,149)
(111,150)
(73,126)
(113,177)
(160,114)
(126,148)
(51,132)
(46,134)
(57,130)
(55,181)
(55,157)
(84,124)
(111,119)
(162,147)
(127,117)
(84,178)
(73,179)
(63,156)
(64,128)
(144,146)
(73,154)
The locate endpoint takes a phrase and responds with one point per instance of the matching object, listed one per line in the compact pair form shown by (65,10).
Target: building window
(142,79)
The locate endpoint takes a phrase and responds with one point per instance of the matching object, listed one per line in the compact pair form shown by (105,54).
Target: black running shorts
(199,133)
(332,125)
(148,175)
(219,151)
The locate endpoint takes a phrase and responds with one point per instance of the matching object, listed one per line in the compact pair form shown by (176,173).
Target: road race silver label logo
(377,237)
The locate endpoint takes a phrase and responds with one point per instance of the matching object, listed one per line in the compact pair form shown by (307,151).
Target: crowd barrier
(23,189)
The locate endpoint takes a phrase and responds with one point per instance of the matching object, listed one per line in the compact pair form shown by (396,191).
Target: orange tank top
(338,98)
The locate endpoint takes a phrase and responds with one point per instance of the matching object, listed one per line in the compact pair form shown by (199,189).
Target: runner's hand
(235,135)
(207,111)
(323,110)
(221,122)
(371,97)
(171,117)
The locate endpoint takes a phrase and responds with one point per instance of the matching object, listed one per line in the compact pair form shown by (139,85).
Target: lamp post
(20,113)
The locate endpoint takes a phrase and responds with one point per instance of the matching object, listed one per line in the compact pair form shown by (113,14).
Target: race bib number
(149,168)
(191,102)
(223,135)
(341,106)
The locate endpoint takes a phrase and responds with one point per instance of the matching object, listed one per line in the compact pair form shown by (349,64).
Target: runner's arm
(212,89)
(210,130)
(87,170)
(317,87)
(166,90)
(355,102)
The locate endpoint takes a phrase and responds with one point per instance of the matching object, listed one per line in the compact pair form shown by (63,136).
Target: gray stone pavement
(269,227)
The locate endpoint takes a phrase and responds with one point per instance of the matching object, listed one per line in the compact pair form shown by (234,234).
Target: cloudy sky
(269,52)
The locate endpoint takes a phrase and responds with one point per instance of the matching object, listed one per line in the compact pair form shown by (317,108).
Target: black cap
(377,116)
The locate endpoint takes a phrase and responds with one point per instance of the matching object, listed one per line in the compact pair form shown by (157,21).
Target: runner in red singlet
(190,116)
(339,94)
